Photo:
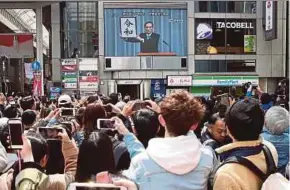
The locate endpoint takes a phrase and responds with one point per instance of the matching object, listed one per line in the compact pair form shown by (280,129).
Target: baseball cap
(245,119)
(64,99)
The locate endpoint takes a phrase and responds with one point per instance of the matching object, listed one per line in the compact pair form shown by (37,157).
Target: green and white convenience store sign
(224,80)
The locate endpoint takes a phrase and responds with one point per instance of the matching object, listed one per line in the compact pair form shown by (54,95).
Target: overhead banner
(16,45)
(270,19)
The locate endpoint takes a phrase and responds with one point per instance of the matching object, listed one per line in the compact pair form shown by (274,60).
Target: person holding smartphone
(34,158)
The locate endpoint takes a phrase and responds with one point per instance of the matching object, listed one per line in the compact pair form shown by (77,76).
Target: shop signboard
(69,68)
(89,85)
(179,80)
(70,85)
(158,89)
(224,80)
(68,62)
(54,92)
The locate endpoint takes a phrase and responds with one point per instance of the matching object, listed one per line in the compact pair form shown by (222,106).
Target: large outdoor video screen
(133,32)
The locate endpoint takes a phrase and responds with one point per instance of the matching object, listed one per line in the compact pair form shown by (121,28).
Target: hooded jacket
(169,163)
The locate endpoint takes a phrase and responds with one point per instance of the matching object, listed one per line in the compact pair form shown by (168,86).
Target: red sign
(37,82)
(89,79)
(69,68)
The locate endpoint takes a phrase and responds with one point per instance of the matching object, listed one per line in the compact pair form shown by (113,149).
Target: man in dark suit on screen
(148,41)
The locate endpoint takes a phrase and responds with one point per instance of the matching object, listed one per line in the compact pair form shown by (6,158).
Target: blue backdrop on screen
(170,24)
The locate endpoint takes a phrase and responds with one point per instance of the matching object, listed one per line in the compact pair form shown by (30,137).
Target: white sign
(269,15)
(68,62)
(128,27)
(129,82)
(89,85)
(70,85)
(179,80)
(88,64)
(226,82)
(234,25)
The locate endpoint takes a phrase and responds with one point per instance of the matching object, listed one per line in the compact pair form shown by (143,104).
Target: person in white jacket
(178,161)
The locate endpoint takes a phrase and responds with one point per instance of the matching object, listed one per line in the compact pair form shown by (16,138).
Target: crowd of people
(179,142)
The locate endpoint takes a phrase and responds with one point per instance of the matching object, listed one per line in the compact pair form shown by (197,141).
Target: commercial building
(149,48)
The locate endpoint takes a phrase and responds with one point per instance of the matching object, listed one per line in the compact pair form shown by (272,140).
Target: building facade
(148,49)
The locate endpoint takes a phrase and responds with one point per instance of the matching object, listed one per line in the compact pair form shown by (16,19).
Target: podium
(157,54)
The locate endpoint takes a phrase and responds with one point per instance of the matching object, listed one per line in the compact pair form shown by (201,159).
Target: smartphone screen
(105,124)
(55,163)
(67,112)
(49,133)
(15,132)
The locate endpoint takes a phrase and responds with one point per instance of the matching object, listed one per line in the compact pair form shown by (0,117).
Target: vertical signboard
(69,73)
(270,20)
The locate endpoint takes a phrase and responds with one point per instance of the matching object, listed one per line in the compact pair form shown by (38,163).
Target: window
(80,29)
(226,6)
(215,66)
(225,36)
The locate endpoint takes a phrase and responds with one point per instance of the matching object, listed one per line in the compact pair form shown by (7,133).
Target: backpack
(271,169)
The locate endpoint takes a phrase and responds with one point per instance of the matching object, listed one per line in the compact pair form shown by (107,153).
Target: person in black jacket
(214,133)
(149,40)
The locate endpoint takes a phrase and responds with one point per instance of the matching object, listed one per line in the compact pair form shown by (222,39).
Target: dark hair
(148,22)
(4,132)
(213,119)
(146,125)
(92,113)
(27,103)
(114,98)
(265,98)
(38,145)
(80,115)
(10,111)
(245,120)
(95,155)
(92,99)
(180,111)
(28,117)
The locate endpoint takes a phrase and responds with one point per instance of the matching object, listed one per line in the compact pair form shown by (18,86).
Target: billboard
(133,31)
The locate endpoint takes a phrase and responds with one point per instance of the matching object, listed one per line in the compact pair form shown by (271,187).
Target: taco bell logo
(203,31)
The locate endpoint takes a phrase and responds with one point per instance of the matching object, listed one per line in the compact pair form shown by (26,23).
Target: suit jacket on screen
(150,45)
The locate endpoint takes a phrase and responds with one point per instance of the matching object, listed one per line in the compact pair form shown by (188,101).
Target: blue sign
(158,88)
(54,92)
(36,66)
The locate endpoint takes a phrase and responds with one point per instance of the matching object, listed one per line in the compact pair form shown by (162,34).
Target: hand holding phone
(15,133)
(105,124)
(49,132)
(67,112)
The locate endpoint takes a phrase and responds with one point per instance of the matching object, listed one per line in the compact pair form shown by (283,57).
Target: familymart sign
(224,80)
(235,25)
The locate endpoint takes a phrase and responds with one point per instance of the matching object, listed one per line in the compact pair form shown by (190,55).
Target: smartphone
(138,105)
(15,133)
(55,163)
(224,99)
(67,112)
(105,124)
(95,186)
(282,105)
(48,132)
